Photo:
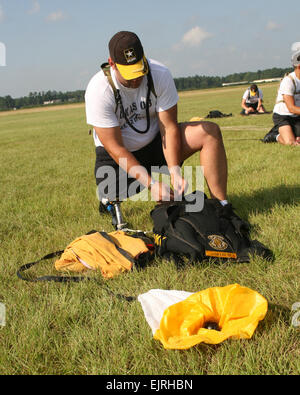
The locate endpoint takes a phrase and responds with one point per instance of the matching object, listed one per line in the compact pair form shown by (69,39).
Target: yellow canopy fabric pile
(195,119)
(96,252)
(236,309)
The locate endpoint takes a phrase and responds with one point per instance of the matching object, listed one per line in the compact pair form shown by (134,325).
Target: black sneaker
(271,136)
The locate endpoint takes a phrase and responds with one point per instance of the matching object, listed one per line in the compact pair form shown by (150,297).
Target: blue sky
(60,44)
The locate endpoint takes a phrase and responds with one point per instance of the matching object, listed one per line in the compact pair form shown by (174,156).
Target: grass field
(48,198)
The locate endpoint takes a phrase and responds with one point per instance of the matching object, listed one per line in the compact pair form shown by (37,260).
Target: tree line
(35,99)
(205,82)
(185,83)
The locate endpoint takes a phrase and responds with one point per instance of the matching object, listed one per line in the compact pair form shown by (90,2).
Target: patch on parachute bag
(219,243)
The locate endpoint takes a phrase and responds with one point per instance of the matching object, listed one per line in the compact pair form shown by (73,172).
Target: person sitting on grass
(286,112)
(252,101)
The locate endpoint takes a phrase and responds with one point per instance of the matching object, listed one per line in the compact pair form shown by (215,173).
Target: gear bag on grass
(217,114)
(110,253)
(214,232)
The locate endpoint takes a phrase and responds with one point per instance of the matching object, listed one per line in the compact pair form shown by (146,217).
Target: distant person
(286,112)
(252,101)
(142,130)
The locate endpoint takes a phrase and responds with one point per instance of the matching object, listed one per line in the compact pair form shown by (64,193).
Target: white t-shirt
(252,99)
(287,87)
(100,105)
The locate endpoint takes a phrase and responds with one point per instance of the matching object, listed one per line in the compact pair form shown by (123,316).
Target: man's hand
(180,185)
(161,192)
(249,109)
(297,142)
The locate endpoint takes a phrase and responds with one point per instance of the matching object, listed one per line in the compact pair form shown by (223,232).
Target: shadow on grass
(258,201)
(264,200)
(282,313)
(276,314)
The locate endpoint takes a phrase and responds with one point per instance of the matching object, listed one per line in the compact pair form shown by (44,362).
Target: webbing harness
(249,94)
(106,70)
(63,279)
(67,279)
(77,279)
(295,87)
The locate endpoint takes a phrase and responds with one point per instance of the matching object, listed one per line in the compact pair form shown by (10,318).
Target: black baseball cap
(127,52)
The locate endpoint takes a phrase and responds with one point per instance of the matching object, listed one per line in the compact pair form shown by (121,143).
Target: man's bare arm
(290,103)
(111,139)
(171,143)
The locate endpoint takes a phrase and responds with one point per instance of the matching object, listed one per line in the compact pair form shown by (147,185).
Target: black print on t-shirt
(128,111)
(131,113)
(143,104)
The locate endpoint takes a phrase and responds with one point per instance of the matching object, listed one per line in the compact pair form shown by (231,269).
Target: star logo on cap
(130,55)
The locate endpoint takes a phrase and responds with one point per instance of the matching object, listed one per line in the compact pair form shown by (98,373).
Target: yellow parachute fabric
(195,119)
(94,252)
(236,309)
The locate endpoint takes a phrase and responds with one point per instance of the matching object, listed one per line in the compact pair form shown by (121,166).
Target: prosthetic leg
(114,208)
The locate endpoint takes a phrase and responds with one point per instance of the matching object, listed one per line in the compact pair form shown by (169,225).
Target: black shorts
(284,120)
(116,185)
(252,105)
(248,105)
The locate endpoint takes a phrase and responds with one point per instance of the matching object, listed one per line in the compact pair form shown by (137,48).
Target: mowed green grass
(48,198)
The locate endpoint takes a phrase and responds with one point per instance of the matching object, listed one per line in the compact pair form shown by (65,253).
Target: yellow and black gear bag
(110,253)
(215,231)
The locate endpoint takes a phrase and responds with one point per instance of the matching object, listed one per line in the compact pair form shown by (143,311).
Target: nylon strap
(106,69)
(60,279)
(67,279)
(295,91)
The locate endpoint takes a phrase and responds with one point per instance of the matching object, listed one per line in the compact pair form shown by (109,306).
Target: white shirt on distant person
(252,99)
(287,88)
